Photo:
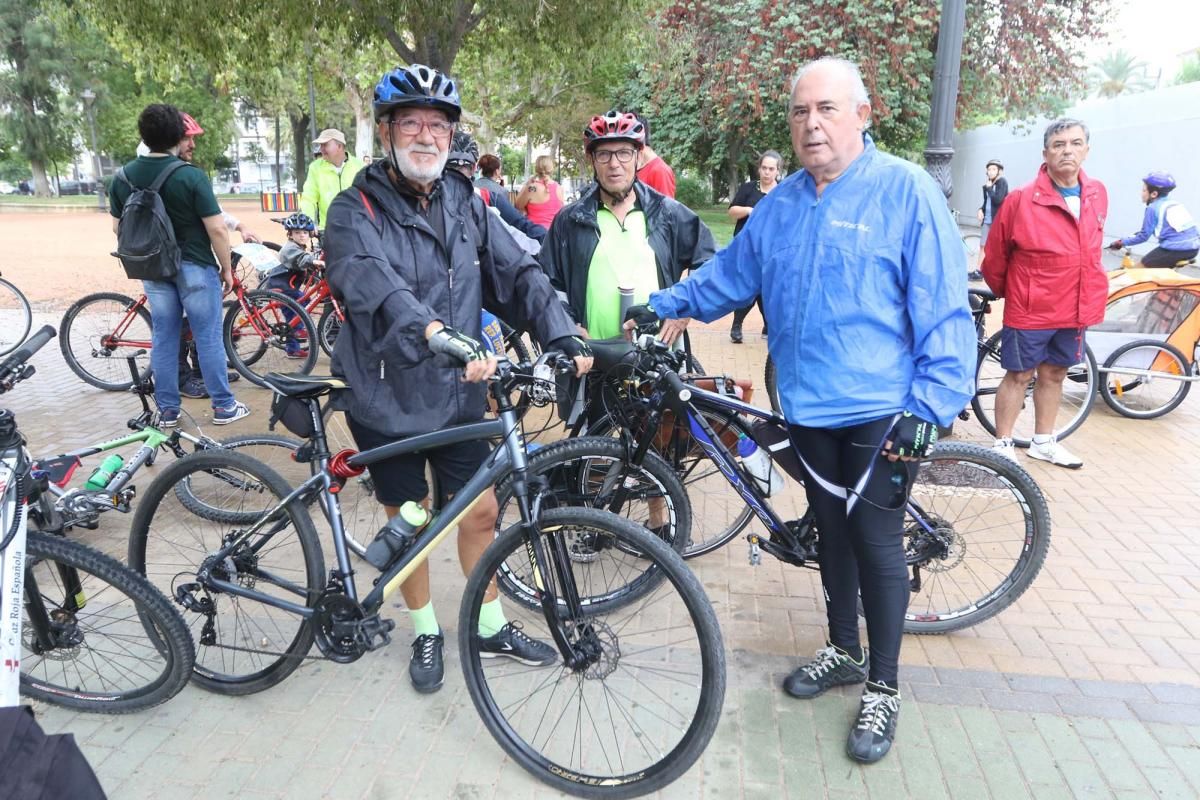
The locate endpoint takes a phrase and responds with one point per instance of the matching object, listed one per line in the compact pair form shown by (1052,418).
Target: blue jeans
(197,290)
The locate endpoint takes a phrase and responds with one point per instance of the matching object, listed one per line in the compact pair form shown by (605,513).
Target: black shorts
(400,479)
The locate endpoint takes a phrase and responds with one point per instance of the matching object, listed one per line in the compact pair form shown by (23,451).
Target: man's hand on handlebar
(640,319)
(672,329)
(478,363)
(578,350)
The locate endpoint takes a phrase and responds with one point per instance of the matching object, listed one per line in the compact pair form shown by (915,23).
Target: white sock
(1042,438)
(1003,443)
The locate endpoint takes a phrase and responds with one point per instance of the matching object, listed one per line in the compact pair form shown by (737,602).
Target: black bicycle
(80,634)
(636,688)
(977,527)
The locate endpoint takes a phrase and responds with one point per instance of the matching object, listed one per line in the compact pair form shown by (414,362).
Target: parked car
(76,187)
(7,188)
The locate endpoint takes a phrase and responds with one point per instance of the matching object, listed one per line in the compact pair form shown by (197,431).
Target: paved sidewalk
(1089,686)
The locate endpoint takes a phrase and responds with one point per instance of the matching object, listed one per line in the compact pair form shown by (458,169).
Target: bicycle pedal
(755,551)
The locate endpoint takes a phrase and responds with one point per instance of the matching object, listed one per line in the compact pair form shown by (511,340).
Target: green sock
(424,620)
(491,618)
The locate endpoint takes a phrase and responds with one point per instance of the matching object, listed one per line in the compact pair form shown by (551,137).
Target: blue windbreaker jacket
(864,289)
(1169,222)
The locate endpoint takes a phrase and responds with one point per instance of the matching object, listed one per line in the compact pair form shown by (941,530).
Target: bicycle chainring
(335,620)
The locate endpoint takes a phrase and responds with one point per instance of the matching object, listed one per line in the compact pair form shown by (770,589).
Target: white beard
(409,169)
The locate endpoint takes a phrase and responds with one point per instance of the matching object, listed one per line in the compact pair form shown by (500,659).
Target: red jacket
(1043,261)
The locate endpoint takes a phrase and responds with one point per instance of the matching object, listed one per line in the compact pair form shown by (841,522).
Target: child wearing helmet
(296,262)
(1167,221)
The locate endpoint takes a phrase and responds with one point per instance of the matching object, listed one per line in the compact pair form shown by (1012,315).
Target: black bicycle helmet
(299,222)
(464,152)
(417,85)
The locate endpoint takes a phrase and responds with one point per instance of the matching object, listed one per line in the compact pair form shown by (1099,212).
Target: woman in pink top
(541,198)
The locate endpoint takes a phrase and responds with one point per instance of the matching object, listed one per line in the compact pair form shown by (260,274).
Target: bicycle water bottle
(493,332)
(759,465)
(397,535)
(104,473)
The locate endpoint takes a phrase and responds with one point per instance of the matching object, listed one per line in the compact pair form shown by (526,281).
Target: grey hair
(1060,125)
(771,154)
(858,89)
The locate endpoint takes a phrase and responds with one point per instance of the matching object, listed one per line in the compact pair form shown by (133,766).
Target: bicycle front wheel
(976,535)
(244,646)
(328,328)
(269,332)
(86,641)
(99,332)
(16,318)
(1079,392)
(1144,380)
(639,706)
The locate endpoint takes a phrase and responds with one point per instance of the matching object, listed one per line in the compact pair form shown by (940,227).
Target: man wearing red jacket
(1043,257)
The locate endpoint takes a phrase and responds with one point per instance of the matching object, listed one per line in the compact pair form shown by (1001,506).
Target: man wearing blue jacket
(863,279)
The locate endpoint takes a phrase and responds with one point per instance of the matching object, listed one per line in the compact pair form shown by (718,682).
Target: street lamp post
(89,98)
(939,149)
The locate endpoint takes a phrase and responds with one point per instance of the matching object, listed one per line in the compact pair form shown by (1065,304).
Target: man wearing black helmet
(414,255)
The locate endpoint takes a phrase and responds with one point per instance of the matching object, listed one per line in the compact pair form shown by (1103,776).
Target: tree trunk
(41,184)
(278,166)
(734,165)
(301,144)
(714,183)
(360,105)
(528,154)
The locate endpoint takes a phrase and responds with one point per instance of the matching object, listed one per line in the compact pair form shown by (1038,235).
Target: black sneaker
(193,388)
(426,668)
(832,667)
(735,334)
(872,735)
(510,641)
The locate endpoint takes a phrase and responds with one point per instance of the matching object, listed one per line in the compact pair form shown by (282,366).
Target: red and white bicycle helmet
(190,126)
(615,126)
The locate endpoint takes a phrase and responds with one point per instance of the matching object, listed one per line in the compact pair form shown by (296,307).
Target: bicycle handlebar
(10,369)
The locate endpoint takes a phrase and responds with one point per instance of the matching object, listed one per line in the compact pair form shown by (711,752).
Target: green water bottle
(397,535)
(104,473)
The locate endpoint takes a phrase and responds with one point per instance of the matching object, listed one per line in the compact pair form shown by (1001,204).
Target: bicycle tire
(328,328)
(1079,393)
(168,546)
(665,649)
(82,346)
(284,444)
(16,317)
(123,604)
(561,466)
(514,345)
(990,494)
(712,525)
(771,382)
(1144,403)
(246,347)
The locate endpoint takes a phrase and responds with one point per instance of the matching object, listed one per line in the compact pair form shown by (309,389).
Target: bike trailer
(1160,305)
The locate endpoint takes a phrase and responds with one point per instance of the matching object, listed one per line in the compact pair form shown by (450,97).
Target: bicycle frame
(12,573)
(115,339)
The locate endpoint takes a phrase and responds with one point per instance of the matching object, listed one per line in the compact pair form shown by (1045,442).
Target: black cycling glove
(643,315)
(572,346)
(913,437)
(457,345)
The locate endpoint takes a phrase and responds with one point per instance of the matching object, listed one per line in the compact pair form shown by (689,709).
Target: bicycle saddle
(300,385)
(610,353)
(986,294)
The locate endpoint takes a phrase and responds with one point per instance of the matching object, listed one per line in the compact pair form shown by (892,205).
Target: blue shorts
(1023,350)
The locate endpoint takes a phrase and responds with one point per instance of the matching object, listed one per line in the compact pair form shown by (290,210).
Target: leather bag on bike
(146,241)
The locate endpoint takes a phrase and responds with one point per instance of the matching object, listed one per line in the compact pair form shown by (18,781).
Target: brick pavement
(1089,686)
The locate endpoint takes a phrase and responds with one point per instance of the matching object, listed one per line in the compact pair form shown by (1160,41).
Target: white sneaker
(1055,453)
(1006,448)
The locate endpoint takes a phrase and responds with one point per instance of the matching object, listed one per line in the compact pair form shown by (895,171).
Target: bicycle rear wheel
(1144,380)
(771,381)
(274,451)
(16,318)
(589,472)
(976,535)
(99,332)
(244,646)
(1079,393)
(85,642)
(328,328)
(640,709)
(269,332)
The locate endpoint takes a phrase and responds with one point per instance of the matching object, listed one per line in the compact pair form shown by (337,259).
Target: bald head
(829,112)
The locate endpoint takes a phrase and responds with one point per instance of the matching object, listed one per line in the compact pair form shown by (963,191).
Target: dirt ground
(57,257)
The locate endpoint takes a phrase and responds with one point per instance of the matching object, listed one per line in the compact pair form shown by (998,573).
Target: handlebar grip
(31,346)
(677,386)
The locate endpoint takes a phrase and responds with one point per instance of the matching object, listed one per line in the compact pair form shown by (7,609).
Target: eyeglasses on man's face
(624,156)
(411,126)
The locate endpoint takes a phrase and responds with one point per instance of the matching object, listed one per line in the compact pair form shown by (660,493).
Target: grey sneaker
(872,735)
(193,388)
(511,642)
(224,416)
(1054,453)
(832,667)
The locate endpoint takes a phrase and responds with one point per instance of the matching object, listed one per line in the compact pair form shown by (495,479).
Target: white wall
(1131,135)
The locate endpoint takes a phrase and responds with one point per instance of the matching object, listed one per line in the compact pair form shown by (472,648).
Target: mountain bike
(16,318)
(638,680)
(112,488)
(100,331)
(74,623)
(977,527)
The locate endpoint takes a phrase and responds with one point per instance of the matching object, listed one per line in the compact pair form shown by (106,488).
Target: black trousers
(861,544)
(1158,257)
(739,316)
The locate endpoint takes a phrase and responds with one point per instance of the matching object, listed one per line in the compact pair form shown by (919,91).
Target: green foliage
(1190,71)
(1119,73)
(691,192)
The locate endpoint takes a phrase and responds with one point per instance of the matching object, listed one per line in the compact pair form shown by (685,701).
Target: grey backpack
(145,236)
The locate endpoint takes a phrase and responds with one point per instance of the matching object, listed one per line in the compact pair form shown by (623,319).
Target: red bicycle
(263,332)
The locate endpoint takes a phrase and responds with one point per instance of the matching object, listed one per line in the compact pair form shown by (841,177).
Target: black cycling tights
(863,550)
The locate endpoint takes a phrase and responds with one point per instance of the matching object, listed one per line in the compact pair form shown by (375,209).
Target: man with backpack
(170,235)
